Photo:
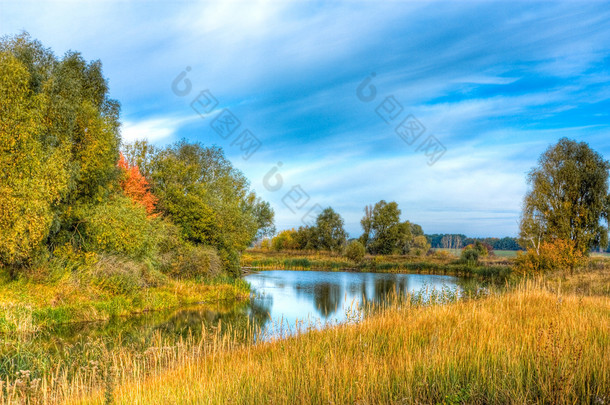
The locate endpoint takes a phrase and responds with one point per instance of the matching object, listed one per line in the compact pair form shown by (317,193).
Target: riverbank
(530,345)
(28,305)
(437,263)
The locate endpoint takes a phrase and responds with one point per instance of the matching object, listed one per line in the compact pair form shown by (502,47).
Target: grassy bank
(531,345)
(438,263)
(28,305)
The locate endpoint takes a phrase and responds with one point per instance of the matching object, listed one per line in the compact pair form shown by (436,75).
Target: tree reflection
(327,297)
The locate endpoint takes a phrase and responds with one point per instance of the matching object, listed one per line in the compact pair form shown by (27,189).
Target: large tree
(59,146)
(568,199)
(200,191)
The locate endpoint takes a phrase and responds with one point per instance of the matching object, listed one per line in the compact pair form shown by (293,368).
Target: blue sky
(494,83)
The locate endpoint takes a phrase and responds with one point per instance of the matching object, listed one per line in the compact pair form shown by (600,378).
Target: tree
(73,135)
(209,199)
(264,215)
(568,199)
(119,226)
(29,184)
(140,153)
(383,231)
(284,240)
(329,231)
(306,238)
(421,246)
(135,186)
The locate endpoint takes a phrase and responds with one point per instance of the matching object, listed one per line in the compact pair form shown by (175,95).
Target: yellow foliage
(558,254)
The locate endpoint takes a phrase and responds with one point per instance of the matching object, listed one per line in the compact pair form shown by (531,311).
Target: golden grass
(593,282)
(526,346)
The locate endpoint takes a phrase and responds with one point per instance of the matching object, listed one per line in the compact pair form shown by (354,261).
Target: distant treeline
(459,241)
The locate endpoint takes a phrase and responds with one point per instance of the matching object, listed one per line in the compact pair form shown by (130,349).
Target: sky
(443,107)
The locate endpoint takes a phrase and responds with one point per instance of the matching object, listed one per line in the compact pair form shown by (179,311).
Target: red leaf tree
(135,186)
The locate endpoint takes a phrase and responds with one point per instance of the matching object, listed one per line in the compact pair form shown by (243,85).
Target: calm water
(317,297)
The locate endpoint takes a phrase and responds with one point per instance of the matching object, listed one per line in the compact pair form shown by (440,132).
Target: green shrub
(120,227)
(191,261)
(355,251)
(470,256)
(119,275)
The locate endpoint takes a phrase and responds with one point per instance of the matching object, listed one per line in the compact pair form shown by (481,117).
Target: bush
(118,275)
(421,246)
(120,227)
(355,251)
(484,249)
(191,261)
(470,256)
(558,254)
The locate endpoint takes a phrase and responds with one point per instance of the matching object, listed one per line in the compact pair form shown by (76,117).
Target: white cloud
(152,129)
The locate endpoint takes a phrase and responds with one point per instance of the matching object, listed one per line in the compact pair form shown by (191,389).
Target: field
(461,352)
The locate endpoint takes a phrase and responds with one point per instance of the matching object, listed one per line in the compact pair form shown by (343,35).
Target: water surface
(321,297)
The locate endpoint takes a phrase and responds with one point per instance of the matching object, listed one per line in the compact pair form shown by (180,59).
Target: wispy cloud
(154,130)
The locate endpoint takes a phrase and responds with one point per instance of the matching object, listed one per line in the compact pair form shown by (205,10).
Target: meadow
(458,352)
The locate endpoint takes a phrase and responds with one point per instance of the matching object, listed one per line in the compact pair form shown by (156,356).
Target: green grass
(324,261)
(498,253)
(27,305)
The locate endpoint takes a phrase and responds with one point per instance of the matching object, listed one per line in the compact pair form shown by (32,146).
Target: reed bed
(530,345)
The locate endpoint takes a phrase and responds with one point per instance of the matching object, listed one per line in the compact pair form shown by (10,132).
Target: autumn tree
(30,176)
(135,186)
(74,132)
(568,199)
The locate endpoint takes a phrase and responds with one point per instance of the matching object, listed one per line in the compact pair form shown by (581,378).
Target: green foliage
(420,245)
(264,215)
(328,234)
(329,231)
(482,249)
(120,226)
(385,234)
(194,261)
(355,251)
(568,199)
(470,256)
(59,145)
(285,240)
(306,238)
(209,199)
(28,185)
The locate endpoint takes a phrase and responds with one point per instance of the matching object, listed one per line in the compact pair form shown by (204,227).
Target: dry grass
(530,345)
(595,281)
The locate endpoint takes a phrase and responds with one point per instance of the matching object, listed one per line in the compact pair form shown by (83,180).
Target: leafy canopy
(568,199)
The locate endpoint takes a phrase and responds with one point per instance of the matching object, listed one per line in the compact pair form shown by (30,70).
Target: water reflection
(318,297)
